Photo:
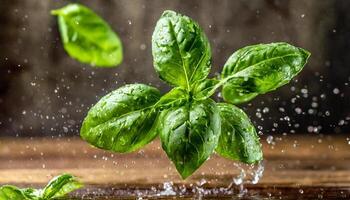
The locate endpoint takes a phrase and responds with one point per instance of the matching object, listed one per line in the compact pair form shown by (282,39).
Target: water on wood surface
(317,167)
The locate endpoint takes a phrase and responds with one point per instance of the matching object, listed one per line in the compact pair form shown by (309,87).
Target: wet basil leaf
(181,51)
(189,134)
(57,187)
(31,193)
(122,120)
(176,97)
(259,69)
(61,186)
(87,37)
(238,139)
(188,121)
(11,192)
(204,89)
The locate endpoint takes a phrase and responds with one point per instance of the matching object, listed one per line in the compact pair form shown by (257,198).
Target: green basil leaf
(204,89)
(238,139)
(31,193)
(189,134)
(11,192)
(60,186)
(57,187)
(176,97)
(87,37)
(181,51)
(259,69)
(122,120)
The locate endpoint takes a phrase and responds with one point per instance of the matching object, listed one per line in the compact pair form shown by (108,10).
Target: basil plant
(58,187)
(190,124)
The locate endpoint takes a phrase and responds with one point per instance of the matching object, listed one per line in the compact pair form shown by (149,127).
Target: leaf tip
(305,53)
(68,8)
(253,160)
(184,175)
(55,12)
(185,171)
(168,13)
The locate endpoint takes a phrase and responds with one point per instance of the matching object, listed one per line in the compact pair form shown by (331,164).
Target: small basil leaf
(238,139)
(31,193)
(176,97)
(122,120)
(204,89)
(60,186)
(87,37)
(11,192)
(189,134)
(259,69)
(181,51)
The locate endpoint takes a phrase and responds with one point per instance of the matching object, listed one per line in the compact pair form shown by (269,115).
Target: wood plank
(292,164)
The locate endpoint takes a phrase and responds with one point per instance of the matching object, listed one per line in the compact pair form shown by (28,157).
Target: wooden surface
(308,166)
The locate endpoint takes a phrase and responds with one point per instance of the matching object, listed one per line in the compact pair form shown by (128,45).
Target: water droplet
(269,139)
(65,129)
(201,182)
(298,110)
(143,46)
(258,115)
(304,91)
(336,91)
(266,110)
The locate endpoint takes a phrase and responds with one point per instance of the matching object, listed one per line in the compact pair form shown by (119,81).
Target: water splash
(249,174)
(199,190)
(168,189)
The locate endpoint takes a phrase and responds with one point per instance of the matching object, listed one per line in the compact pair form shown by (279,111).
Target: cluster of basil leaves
(58,187)
(190,124)
(87,37)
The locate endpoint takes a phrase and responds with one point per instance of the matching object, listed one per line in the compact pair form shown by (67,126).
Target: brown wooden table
(296,167)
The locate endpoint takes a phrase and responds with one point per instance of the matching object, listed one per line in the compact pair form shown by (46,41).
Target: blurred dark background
(43,92)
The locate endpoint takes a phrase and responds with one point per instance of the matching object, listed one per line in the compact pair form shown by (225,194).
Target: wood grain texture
(306,163)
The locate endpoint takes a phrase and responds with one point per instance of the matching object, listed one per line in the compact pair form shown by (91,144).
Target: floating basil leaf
(259,69)
(238,139)
(87,37)
(188,121)
(189,134)
(181,51)
(60,186)
(122,120)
